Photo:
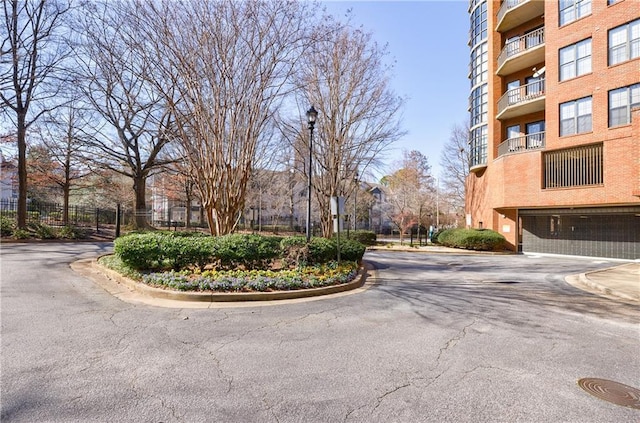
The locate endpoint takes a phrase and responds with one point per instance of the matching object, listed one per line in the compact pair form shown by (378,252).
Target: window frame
(574,6)
(576,60)
(630,105)
(576,116)
(628,44)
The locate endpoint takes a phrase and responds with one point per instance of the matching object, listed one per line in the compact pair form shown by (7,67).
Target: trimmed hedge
(351,250)
(472,239)
(364,237)
(179,250)
(251,251)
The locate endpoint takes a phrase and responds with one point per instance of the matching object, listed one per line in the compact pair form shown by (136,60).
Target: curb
(227,297)
(440,250)
(583,278)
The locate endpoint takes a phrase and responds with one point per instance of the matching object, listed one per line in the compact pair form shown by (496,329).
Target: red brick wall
(515,181)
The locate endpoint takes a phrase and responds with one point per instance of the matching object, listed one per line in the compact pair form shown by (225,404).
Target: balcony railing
(522,94)
(521,144)
(520,45)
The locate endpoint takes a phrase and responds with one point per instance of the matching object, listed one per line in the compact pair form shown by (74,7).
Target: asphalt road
(435,338)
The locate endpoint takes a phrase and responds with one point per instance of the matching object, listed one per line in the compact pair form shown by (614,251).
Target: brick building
(555,125)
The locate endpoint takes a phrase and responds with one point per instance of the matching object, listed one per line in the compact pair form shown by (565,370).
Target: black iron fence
(52,214)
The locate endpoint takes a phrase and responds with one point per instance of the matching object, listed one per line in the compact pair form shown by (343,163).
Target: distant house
(378,213)
(167,207)
(8,179)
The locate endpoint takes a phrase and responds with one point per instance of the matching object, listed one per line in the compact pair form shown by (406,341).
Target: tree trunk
(140,206)
(22,170)
(65,205)
(66,188)
(188,215)
(210,220)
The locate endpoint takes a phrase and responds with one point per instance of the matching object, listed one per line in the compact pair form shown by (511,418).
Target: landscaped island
(192,261)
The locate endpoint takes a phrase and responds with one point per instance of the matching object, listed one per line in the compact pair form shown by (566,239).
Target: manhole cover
(614,392)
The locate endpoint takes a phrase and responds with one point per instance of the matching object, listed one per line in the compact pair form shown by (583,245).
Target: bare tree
(345,77)
(116,76)
(410,191)
(229,64)
(31,59)
(454,161)
(61,140)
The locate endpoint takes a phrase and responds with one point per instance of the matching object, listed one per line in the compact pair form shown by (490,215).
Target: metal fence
(52,214)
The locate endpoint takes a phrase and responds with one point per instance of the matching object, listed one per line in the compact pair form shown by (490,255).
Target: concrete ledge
(212,297)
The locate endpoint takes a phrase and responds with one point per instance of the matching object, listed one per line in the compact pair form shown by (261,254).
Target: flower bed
(255,280)
(316,276)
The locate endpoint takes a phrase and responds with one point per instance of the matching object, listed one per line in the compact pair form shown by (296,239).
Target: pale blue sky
(428,40)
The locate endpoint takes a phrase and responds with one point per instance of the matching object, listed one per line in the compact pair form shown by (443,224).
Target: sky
(428,41)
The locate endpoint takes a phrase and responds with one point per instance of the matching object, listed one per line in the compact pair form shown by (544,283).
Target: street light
(355,203)
(312,114)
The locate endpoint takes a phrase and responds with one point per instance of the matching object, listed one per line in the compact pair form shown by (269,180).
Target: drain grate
(614,392)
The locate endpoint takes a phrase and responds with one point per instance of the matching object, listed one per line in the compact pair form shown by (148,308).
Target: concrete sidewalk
(621,281)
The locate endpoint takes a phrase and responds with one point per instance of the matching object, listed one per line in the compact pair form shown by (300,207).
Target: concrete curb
(209,297)
(437,250)
(584,279)
(613,283)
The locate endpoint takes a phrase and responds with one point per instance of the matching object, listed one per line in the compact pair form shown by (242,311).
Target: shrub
(42,231)
(70,232)
(140,251)
(21,234)
(7,226)
(246,250)
(322,250)
(294,250)
(351,250)
(180,251)
(364,237)
(472,239)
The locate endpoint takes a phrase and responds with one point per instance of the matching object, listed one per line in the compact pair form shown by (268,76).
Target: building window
(479,64)
(621,102)
(575,60)
(478,146)
(479,104)
(570,10)
(624,42)
(479,24)
(575,117)
(573,167)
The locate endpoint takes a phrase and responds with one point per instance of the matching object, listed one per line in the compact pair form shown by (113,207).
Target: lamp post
(312,114)
(355,203)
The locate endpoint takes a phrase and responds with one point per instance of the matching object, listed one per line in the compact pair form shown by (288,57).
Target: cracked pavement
(436,338)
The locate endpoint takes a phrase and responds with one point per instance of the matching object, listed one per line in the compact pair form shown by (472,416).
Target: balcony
(522,144)
(522,53)
(522,100)
(515,12)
